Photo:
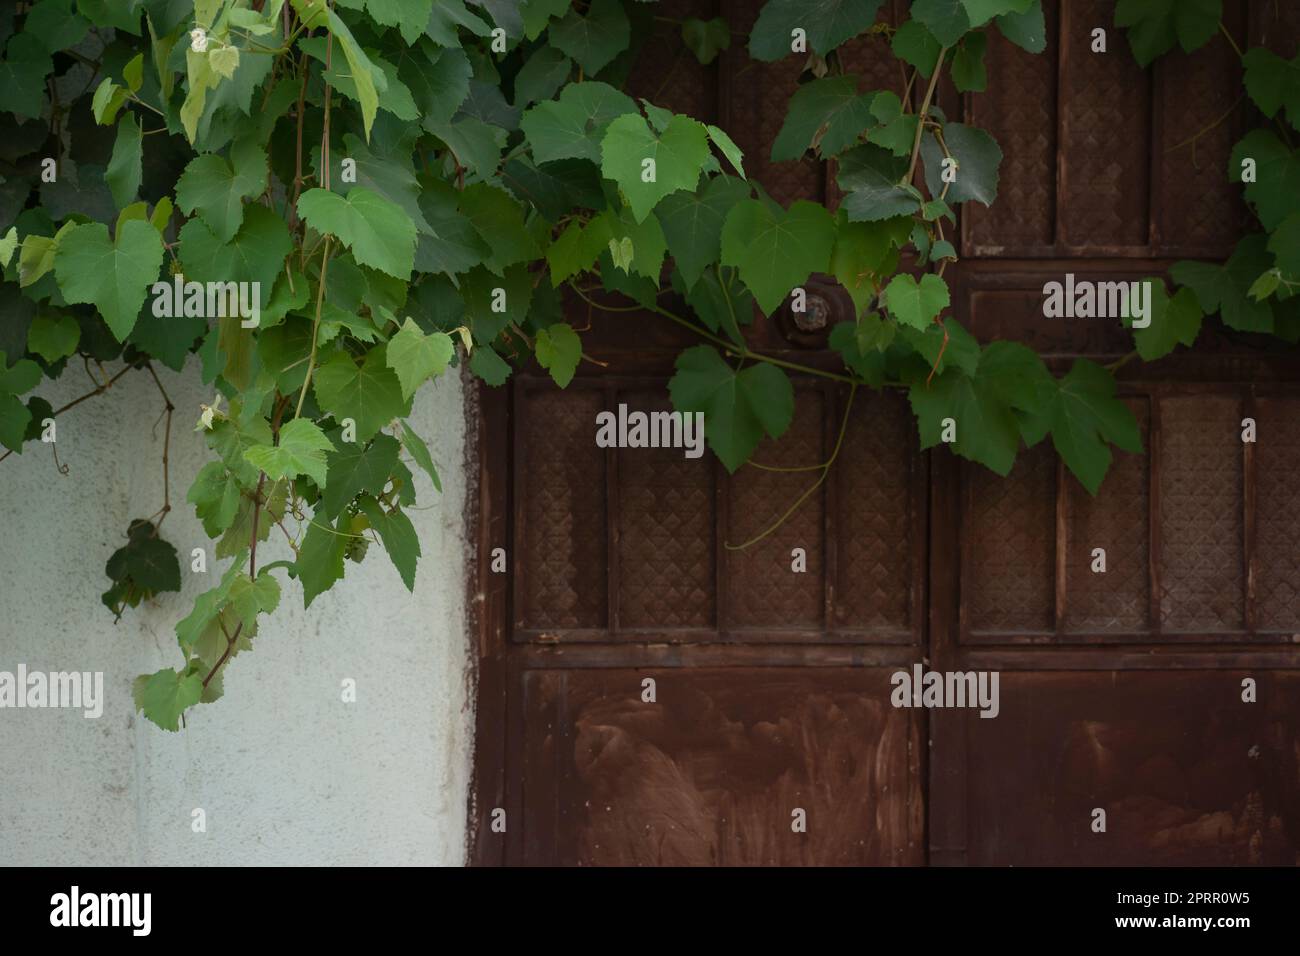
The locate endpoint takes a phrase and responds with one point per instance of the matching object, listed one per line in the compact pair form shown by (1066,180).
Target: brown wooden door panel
(1186,773)
(712,771)
(1119,690)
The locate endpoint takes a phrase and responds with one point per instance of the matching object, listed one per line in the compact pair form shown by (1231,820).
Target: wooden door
(771,686)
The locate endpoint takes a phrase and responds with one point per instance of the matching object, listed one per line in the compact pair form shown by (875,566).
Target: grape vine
(408,186)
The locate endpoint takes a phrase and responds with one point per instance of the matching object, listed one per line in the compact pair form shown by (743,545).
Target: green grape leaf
(215,495)
(1284,243)
(692,223)
(648,165)
(363,73)
(358,468)
(864,253)
(124,168)
(1154,25)
(414,444)
(981,12)
(869,177)
(496,215)
(379,233)
(19,378)
(985,426)
(978,157)
(416,357)
(216,188)
(968,72)
(489,366)
(916,303)
(398,536)
(113,275)
(573,126)
(256,254)
(451,244)
(541,75)
(706,38)
(1083,415)
(14,420)
(370,393)
(1026,30)
(738,407)
(146,560)
(1275,191)
(1273,83)
(53,336)
(777,250)
(559,350)
(916,46)
(1173,321)
(946,20)
(727,147)
(162,697)
(1225,288)
(320,556)
(827,114)
(826,23)
(593,40)
(301,451)
(23,70)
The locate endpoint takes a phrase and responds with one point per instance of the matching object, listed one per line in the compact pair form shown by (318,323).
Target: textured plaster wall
(286,772)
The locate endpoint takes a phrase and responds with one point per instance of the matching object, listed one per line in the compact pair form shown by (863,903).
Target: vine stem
(77,401)
(731,347)
(167,444)
(325,254)
(825,470)
(925,109)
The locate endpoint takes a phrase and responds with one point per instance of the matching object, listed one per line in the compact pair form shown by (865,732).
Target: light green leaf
(8,245)
(916,304)
(648,165)
(53,337)
(559,350)
(113,275)
(727,147)
(162,697)
(377,231)
(301,451)
(417,357)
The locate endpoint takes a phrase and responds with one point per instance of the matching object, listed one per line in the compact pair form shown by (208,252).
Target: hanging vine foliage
(327,203)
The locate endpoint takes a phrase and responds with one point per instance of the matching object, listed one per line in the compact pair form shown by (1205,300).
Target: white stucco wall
(286,772)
